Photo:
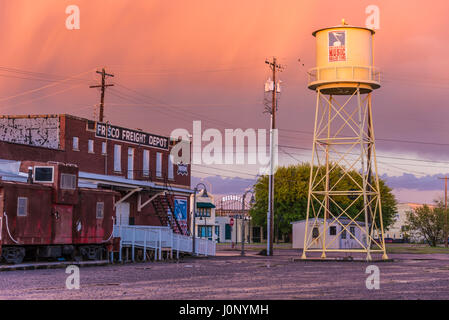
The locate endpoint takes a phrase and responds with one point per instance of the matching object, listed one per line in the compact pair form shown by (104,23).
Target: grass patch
(414,248)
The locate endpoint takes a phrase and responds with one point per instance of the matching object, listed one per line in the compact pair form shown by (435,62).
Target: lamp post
(194,213)
(242,253)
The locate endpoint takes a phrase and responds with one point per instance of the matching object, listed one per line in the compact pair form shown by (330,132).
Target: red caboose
(51,217)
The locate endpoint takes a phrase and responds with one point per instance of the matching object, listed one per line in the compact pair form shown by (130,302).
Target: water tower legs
(344,212)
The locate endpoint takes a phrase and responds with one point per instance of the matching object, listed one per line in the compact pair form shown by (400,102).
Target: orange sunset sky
(204,60)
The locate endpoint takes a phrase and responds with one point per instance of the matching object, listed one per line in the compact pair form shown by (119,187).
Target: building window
(170,166)
(203,212)
(90,146)
(205,231)
(333,231)
(146,163)
(22,206)
(103,148)
(43,174)
(117,158)
(315,232)
(159,164)
(76,144)
(343,234)
(68,181)
(100,210)
(352,232)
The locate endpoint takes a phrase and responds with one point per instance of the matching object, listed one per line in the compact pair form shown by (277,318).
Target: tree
(291,192)
(427,222)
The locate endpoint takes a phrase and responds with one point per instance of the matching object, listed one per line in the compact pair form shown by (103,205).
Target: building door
(122,212)
(228,232)
(217,233)
(62,224)
(130,163)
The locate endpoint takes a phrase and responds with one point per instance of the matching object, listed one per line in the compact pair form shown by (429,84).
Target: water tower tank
(344,61)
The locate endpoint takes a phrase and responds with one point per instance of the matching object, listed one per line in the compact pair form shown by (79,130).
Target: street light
(252,201)
(194,212)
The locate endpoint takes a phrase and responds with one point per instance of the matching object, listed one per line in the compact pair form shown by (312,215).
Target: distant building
(229,208)
(400,219)
(336,236)
(205,223)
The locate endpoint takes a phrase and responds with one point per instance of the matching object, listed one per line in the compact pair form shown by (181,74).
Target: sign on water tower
(337,45)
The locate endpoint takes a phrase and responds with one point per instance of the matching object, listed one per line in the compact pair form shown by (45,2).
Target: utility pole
(445,210)
(270,230)
(103,86)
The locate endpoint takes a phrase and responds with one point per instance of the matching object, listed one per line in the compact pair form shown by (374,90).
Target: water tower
(344,212)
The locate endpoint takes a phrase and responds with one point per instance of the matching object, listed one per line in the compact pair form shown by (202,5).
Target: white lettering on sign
(131,136)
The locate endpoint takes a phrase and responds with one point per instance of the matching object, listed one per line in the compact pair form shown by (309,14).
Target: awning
(205,205)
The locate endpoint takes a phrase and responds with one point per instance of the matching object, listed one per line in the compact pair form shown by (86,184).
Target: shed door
(122,212)
(62,224)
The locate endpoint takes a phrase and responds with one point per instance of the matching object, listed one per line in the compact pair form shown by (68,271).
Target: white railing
(156,238)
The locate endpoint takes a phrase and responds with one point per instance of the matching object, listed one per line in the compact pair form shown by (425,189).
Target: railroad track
(51,265)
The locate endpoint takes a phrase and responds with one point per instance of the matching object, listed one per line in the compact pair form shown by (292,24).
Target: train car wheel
(13,255)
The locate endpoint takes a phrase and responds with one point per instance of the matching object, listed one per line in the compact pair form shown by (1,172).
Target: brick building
(136,164)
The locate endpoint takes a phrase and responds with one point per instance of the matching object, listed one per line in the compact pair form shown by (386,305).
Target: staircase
(163,206)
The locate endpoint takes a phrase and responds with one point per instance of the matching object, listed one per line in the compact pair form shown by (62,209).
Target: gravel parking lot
(229,276)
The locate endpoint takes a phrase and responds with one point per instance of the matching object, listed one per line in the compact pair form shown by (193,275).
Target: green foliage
(427,222)
(291,192)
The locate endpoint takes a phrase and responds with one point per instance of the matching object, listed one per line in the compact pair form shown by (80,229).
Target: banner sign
(181,212)
(337,46)
(131,136)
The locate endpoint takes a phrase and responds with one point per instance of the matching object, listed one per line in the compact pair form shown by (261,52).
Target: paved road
(229,276)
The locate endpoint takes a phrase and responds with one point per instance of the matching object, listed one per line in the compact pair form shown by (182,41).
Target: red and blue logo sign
(337,46)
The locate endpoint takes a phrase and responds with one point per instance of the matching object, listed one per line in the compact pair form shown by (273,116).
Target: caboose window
(22,206)
(43,174)
(100,210)
(68,181)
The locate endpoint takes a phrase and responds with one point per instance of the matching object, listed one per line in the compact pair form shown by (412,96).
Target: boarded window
(117,158)
(22,206)
(146,163)
(68,181)
(90,146)
(159,164)
(100,210)
(170,166)
(43,174)
(103,148)
(76,143)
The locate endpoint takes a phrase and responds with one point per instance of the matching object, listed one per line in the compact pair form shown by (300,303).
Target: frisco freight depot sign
(131,136)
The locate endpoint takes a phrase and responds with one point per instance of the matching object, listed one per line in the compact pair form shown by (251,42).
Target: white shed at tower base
(336,237)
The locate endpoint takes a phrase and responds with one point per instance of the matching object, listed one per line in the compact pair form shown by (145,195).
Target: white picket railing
(156,238)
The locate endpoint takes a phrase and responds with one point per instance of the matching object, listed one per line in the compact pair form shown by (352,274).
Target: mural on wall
(40,132)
